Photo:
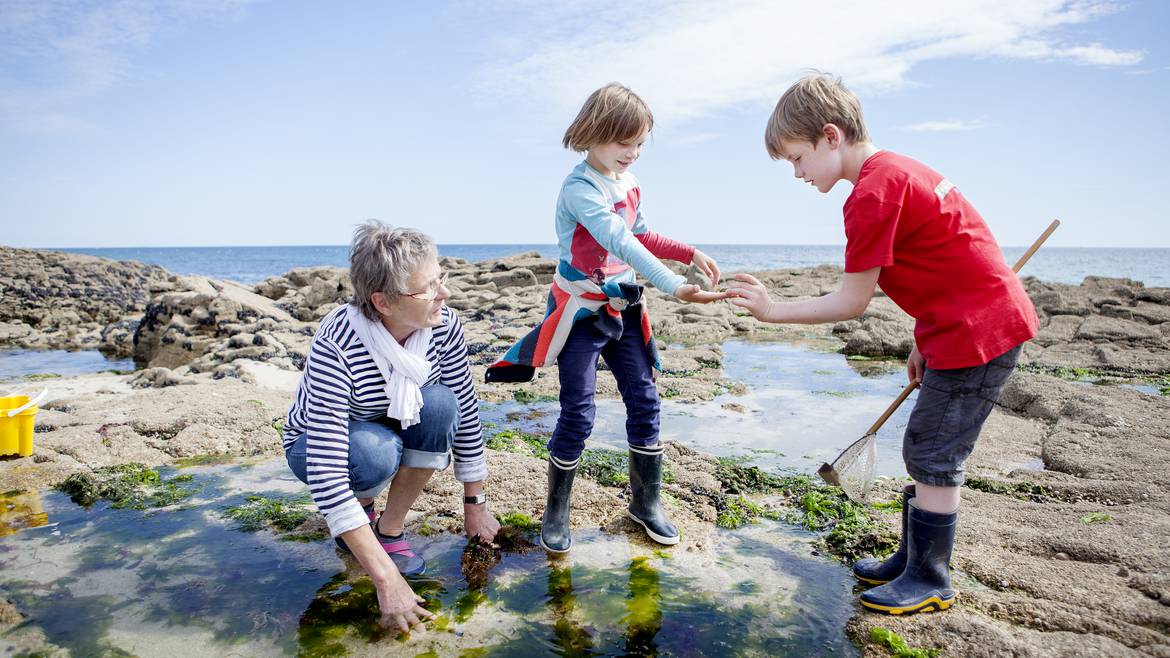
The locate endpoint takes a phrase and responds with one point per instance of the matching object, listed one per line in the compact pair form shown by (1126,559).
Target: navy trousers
(631,366)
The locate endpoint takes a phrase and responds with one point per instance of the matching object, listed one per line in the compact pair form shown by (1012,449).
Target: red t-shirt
(939,262)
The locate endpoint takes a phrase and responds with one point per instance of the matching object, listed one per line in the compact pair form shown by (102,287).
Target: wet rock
(1113,329)
(183,324)
(514,278)
(59,300)
(158,378)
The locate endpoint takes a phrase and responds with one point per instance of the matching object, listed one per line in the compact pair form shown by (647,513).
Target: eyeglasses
(432,290)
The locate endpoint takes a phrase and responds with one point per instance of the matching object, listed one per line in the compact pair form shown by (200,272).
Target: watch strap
(477,499)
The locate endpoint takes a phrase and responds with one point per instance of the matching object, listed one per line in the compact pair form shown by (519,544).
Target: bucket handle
(31,403)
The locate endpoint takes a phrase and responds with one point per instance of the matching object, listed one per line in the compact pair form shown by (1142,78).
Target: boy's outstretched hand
(747,292)
(689,292)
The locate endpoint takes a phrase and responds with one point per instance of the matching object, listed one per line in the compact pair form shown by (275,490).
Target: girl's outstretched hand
(747,292)
(707,266)
(689,292)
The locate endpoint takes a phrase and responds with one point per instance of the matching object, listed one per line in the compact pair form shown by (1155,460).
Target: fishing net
(853,470)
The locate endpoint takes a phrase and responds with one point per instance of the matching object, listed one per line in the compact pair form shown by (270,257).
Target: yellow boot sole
(931,604)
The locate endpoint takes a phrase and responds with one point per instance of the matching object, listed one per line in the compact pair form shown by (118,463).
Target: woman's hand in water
(478,521)
(400,605)
(689,292)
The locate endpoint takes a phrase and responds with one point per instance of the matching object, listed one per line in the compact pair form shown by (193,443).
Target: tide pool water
(43,364)
(253,264)
(801,408)
(183,581)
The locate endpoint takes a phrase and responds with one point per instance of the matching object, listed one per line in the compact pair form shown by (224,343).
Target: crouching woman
(385,398)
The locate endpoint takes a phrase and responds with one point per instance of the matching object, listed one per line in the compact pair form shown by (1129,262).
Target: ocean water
(250,265)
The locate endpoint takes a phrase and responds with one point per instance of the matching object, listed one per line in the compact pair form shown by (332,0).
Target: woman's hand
(478,521)
(750,294)
(707,266)
(400,605)
(915,366)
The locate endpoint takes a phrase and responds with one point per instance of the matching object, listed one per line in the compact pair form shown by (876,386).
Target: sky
(240,122)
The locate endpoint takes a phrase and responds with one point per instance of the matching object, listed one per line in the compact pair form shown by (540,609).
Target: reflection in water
(643,618)
(569,636)
(20,510)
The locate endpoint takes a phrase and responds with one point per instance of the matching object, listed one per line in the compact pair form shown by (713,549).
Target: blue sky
(228,122)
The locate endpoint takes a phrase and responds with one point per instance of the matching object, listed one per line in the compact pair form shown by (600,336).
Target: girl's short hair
(807,106)
(382,258)
(610,114)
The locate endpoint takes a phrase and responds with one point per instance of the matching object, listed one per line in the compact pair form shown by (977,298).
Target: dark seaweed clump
(479,557)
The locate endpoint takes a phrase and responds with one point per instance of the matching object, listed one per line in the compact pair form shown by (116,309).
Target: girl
(595,308)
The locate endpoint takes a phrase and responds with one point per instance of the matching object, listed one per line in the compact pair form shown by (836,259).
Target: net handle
(913,385)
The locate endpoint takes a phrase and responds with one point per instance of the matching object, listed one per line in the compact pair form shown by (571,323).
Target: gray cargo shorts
(945,423)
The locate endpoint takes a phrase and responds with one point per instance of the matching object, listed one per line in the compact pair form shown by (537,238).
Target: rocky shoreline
(1061,541)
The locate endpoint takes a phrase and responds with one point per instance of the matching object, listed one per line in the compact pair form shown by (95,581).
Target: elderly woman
(385,396)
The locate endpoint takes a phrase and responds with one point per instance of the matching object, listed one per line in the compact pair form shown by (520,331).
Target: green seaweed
(737,511)
(132,485)
(282,513)
(525,396)
(894,505)
(213,459)
(425,529)
(522,443)
(839,394)
(849,531)
(39,376)
(1021,490)
(897,645)
(737,477)
(519,521)
(1095,517)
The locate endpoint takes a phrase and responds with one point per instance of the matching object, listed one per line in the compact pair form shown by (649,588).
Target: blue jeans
(631,367)
(378,447)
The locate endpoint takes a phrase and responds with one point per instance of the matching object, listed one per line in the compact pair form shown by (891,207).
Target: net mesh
(855,467)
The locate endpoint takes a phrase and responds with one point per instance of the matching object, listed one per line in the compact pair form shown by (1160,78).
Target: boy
(910,230)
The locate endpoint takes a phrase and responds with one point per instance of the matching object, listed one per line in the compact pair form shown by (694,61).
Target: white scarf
(405,369)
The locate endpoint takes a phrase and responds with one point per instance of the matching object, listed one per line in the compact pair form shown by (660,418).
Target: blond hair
(610,114)
(807,106)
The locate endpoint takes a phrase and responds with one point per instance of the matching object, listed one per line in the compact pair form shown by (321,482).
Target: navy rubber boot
(645,483)
(554,525)
(876,571)
(925,583)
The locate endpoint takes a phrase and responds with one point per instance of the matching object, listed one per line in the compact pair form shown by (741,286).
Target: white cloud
(953,125)
(56,53)
(696,57)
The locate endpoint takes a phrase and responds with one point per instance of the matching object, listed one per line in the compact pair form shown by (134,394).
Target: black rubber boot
(925,584)
(554,525)
(645,482)
(876,571)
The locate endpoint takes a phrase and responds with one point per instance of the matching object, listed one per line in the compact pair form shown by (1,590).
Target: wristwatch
(477,499)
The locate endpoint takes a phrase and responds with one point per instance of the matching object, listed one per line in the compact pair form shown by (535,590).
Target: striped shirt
(341,383)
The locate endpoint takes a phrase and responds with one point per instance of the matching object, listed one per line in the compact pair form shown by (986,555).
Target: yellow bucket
(16,433)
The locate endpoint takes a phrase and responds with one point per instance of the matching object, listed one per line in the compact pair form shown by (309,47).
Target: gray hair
(382,258)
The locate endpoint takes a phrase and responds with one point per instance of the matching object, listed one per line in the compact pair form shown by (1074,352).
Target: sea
(250,265)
